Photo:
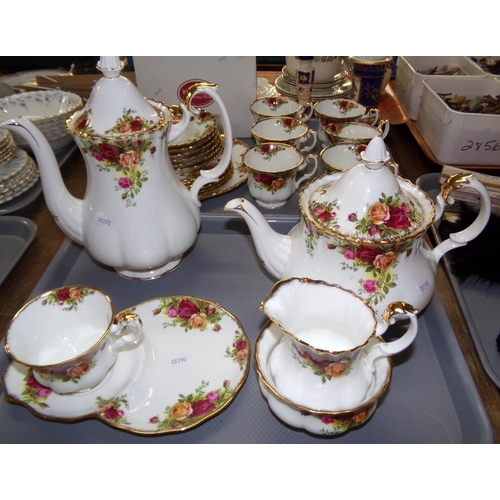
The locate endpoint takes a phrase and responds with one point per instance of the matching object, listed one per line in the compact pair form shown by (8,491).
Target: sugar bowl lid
(366,202)
(115,106)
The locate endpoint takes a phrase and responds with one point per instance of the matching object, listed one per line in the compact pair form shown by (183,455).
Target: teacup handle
(310,133)
(391,348)
(128,330)
(307,113)
(383,128)
(314,159)
(372,114)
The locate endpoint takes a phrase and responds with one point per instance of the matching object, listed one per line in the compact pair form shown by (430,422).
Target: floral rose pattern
(35,394)
(271,182)
(345,106)
(112,410)
(289,124)
(337,424)
(128,123)
(126,156)
(325,369)
(238,351)
(68,297)
(193,407)
(386,218)
(269,150)
(71,373)
(274,103)
(189,313)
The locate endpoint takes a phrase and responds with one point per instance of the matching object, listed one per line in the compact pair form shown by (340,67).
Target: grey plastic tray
(16,235)
(431,398)
(478,300)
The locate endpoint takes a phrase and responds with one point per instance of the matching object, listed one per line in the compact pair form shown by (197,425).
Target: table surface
(17,287)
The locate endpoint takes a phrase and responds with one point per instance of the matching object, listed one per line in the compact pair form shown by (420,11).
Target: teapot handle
(208,176)
(391,348)
(461,238)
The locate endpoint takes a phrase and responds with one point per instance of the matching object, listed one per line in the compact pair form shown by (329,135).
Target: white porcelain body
(325,67)
(322,361)
(69,337)
(403,269)
(272,172)
(268,107)
(285,130)
(136,215)
(317,421)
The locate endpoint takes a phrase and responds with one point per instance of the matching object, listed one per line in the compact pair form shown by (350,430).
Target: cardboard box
(165,78)
(454,137)
(409,82)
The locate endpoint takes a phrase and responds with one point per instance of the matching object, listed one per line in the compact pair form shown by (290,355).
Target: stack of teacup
(282,137)
(345,128)
(198,148)
(18,171)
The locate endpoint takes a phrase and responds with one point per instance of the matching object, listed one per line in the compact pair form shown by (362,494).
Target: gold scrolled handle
(454,182)
(197,87)
(398,308)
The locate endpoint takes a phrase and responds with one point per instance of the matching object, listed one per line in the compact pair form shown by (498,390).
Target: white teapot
(364,230)
(136,215)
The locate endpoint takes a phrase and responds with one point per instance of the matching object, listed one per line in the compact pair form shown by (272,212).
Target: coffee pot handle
(461,238)
(394,311)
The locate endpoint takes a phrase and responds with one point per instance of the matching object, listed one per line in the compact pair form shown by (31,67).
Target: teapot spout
(272,247)
(65,208)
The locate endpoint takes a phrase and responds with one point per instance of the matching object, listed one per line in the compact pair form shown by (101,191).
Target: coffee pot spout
(64,207)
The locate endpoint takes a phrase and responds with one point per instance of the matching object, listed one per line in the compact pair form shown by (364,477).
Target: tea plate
(189,366)
(316,421)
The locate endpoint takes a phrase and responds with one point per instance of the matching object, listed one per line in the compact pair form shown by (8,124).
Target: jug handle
(461,238)
(395,310)
(207,176)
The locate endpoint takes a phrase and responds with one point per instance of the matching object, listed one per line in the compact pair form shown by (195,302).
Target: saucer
(189,366)
(339,89)
(316,421)
(239,176)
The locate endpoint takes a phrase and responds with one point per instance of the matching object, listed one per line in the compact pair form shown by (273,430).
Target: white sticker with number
(180,359)
(104,220)
(423,285)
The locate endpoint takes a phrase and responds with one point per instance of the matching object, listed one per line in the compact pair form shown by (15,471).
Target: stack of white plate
(18,171)
(198,148)
(340,86)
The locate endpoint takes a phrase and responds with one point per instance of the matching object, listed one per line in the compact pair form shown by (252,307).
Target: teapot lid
(367,201)
(115,106)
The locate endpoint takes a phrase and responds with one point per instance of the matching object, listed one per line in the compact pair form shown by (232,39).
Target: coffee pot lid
(115,106)
(367,201)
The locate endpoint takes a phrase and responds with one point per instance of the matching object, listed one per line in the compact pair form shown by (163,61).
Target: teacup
(268,107)
(342,157)
(344,110)
(323,360)
(272,172)
(285,130)
(69,336)
(355,133)
(370,75)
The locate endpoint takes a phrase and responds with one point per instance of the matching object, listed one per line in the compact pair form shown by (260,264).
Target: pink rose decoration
(370,286)
(124,182)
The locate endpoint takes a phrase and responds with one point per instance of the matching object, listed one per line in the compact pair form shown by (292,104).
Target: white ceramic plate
(191,363)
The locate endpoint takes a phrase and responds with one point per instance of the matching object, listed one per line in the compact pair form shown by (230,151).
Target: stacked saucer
(339,86)
(198,148)
(18,171)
